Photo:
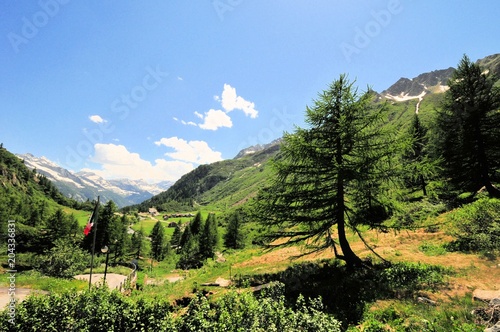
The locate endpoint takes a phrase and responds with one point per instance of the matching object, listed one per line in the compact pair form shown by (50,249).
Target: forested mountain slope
(222,183)
(27,198)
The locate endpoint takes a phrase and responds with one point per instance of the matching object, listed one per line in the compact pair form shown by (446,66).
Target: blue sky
(151,89)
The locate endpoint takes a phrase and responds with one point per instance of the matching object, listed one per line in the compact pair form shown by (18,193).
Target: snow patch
(405,96)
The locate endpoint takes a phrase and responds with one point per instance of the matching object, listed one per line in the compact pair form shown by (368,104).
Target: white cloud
(231,101)
(96,119)
(214,119)
(189,123)
(193,151)
(117,162)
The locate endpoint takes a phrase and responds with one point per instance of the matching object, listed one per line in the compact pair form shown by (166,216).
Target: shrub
(411,277)
(64,260)
(431,249)
(477,227)
(102,310)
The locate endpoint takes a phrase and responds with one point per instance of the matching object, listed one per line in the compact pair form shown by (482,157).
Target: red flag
(92,219)
(87,228)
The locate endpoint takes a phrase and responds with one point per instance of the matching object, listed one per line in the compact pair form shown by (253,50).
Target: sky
(152,89)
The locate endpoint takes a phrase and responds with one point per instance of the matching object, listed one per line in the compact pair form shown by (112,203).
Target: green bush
(64,260)
(476,227)
(411,277)
(102,310)
(431,249)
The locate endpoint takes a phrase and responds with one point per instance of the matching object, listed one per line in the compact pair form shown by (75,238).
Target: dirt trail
(113,280)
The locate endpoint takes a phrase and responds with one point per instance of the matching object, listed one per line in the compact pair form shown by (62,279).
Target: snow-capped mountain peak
(85,184)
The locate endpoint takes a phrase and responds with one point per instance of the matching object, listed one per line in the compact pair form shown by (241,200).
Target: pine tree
(60,226)
(418,165)
(158,242)
(189,252)
(234,237)
(469,129)
(209,238)
(196,224)
(175,241)
(331,175)
(105,227)
(121,239)
(138,246)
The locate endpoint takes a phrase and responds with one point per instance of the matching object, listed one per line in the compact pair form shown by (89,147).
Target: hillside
(223,184)
(29,199)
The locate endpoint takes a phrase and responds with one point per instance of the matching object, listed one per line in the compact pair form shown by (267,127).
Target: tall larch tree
(330,176)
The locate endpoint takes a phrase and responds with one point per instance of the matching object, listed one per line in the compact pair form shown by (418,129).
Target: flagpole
(96,209)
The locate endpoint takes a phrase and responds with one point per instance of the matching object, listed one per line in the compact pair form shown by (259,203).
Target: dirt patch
(20,294)
(113,280)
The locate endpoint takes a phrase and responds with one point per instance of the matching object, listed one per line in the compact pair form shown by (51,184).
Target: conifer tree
(469,129)
(189,251)
(175,241)
(158,242)
(331,176)
(234,237)
(138,246)
(418,165)
(209,238)
(196,224)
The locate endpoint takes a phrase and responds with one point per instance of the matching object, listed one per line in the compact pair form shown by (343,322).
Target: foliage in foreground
(455,316)
(346,292)
(103,310)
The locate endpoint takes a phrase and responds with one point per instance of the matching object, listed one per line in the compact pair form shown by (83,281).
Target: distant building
(153,212)
(173,224)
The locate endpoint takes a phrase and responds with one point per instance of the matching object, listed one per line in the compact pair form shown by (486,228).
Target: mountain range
(82,186)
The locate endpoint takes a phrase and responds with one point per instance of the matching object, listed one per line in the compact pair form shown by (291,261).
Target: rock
(422,299)
(495,328)
(495,301)
(485,295)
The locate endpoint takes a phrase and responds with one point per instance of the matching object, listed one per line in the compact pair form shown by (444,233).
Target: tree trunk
(483,165)
(350,258)
(423,184)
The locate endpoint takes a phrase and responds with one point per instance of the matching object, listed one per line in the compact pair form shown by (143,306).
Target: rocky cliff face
(405,88)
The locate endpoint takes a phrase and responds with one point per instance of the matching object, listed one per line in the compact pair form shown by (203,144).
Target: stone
(485,295)
(422,299)
(495,328)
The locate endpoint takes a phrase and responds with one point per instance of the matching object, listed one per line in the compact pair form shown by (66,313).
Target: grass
(81,216)
(432,249)
(35,280)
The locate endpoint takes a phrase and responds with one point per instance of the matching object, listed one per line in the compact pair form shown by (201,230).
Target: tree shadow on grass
(346,292)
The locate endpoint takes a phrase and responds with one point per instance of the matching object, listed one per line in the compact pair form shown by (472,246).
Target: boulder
(485,295)
(494,328)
